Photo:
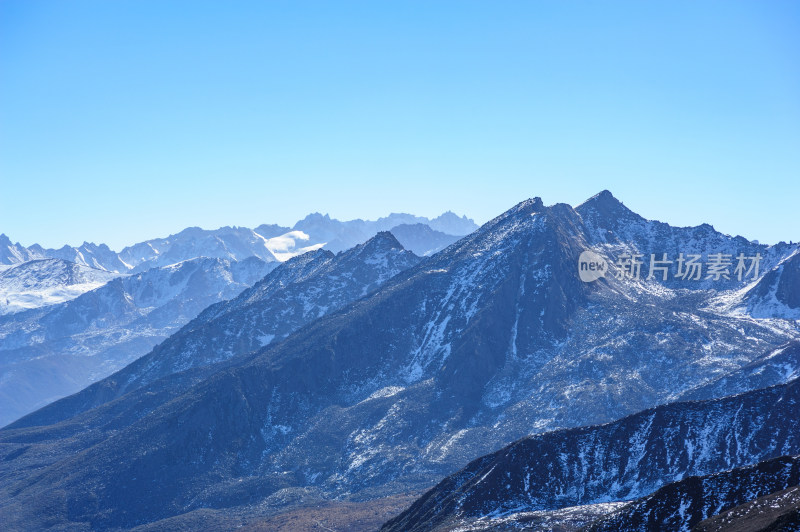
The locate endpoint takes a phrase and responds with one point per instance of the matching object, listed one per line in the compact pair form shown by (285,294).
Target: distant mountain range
(88,254)
(56,350)
(51,351)
(339,236)
(267,242)
(390,389)
(295,293)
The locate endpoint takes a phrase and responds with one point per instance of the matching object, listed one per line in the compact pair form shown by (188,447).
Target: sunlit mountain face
(352,379)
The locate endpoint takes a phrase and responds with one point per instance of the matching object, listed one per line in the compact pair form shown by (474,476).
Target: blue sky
(126,120)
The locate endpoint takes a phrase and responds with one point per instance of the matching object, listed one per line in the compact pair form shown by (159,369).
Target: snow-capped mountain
(91,255)
(613,230)
(41,282)
(683,504)
(53,351)
(228,243)
(269,242)
(619,461)
(317,230)
(11,253)
(36,277)
(494,338)
(293,294)
(98,256)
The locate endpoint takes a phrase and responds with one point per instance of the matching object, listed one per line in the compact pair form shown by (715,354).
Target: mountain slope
(778,293)
(280,372)
(290,296)
(774,367)
(489,340)
(612,229)
(683,504)
(778,511)
(421,239)
(53,351)
(628,458)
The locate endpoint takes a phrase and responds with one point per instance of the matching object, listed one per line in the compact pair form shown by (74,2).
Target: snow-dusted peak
(529,206)
(381,242)
(43,282)
(11,253)
(381,257)
(491,339)
(606,211)
(229,243)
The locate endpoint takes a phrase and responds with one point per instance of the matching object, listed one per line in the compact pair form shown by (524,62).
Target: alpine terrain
(410,378)
(293,294)
(55,350)
(49,356)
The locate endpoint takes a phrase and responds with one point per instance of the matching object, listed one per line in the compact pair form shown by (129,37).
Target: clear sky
(127,120)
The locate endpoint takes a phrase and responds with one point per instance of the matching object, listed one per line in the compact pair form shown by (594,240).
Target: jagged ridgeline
(72,316)
(492,339)
(628,459)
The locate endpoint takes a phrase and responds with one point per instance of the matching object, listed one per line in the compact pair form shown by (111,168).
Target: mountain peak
(452,224)
(529,206)
(606,209)
(383,240)
(382,244)
(605,194)
(317,216)
(451,216)
(604,198)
